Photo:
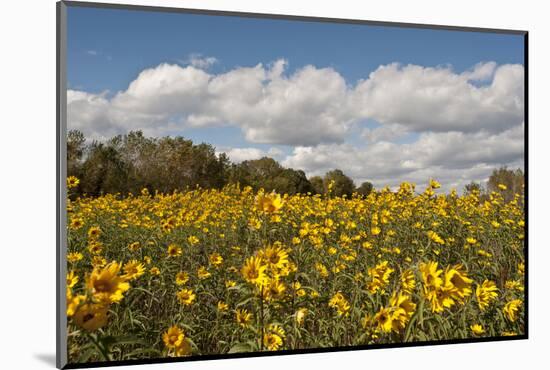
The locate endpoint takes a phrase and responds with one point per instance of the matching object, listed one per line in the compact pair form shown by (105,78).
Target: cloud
(437,99)
(92,52)
(309,107)
(454,158)
(200,61)
(238,155)
(306,108)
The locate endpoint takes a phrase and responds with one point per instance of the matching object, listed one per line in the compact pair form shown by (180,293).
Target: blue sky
(128,41)
(108,48)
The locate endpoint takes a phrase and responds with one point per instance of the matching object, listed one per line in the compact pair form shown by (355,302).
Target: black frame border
(61,128)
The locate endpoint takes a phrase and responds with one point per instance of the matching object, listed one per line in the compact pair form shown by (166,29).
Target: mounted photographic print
(234,184)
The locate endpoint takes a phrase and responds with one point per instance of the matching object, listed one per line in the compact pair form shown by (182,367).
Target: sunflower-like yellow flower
(458,282)
(435,237)
(94,232)
(243,317)
(133,270)
(173,250)
(486,293)
(91,316)
(275,256)
(379,276)
(72,182)
(73,301)
(300,315)
(182,277)
(431,276)
(173,337)
(384,320)
(272,341)
(222,306)
(274,289)
(511,309)
(477,329)
(73,257)
(72,279)
(408,281)
(105,285)
(340,303)
(186,296)
(269,203)
(253,271)
(202,273)
(215,259)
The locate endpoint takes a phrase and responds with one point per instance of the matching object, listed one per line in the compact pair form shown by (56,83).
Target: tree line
(128,163)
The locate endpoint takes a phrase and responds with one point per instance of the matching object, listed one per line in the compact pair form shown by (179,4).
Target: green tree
(365,189)
(317,184)
(343,185)
(512,180)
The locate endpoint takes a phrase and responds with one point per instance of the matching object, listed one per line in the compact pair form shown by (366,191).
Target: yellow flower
(133,269)
(133,247)
(502,187)
(435,238)
(275,256)
(230,283)
(173,337)
(274,289)
(408,282)
(243,318)
(74,257)
(193,240)
(91,316)
(431,276)
(477,329)
(72,182)
(384,320)
(106,285)
(76,223)
(184,349)
(471,240)
(182,277)
(98,261)
(95,247)
(457,282)
(94,232)
(202,273)
(253,271)
(272,341)
(154,271)
(186,296)
(339,302)
(215,259)
(72,279)
(300,315)
(511,309)
(434,184)
(173,250)
(269,203)
(73,302)
(485,293)
(380,276)
(375,230)
(222,306)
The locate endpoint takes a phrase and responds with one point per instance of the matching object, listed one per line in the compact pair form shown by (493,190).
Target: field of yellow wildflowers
(224,271)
